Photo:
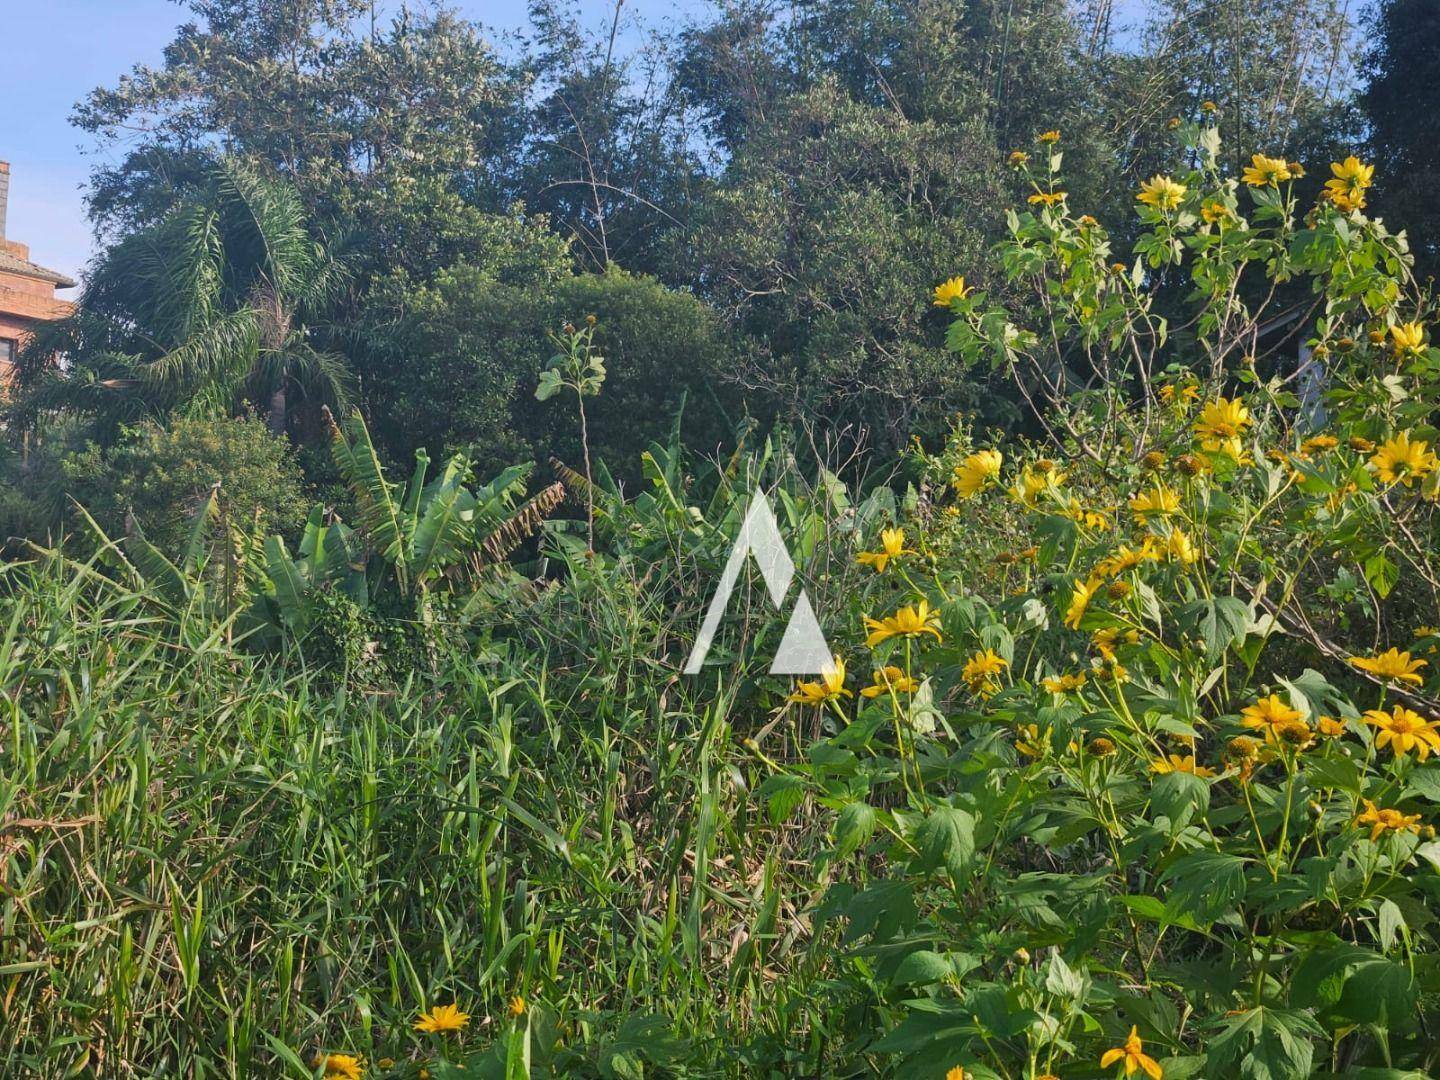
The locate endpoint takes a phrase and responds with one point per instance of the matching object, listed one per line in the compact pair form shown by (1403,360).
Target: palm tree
(210,311)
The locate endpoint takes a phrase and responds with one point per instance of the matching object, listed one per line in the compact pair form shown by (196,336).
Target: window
(7,350)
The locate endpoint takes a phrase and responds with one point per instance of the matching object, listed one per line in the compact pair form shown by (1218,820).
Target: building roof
(11,263)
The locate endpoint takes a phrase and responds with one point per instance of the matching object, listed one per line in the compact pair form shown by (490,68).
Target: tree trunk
(277,412)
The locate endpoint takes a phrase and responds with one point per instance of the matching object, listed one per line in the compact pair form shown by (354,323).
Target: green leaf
(924,967)
(782,794)
(853,827)
(549,385)
(1382,574)
(1179,796)
(1063,980)
(946,838)
(1205,883)
(1425,783)
(1156,910)
(286,584)
(359,465)
(1266,1044)
(1221,622)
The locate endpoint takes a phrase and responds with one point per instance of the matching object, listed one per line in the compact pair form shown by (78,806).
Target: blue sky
(58,50)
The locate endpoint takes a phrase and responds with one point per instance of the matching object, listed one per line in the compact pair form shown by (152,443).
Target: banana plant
(409,540)
(422,530)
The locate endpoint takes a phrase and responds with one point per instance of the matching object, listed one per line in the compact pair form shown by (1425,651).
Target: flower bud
(1101,747)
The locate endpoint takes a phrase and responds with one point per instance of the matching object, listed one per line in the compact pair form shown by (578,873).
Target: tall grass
(214,866)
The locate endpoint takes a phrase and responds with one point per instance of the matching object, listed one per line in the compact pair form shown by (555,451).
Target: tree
(160,477)
(205,311)
(862,143)
(393,134)
(474,348)
(1277,73)
(608,154)
(1401,102)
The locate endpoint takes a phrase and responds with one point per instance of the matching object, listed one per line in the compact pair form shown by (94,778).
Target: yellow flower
(1403,460)
(892,546)
(1049,198)
(957,1073)
(977,471)
(1126,559)
(1170,393)
(342,1067)
(1162,193)
(1031,741)
(1408,338)
(1019,158)
(1176,763)
(1404,730)
(1330,727)
(1159,501)
(516,1007)
(1270,715)
(1132,1053)
(1091,519)
(1266,171)
(1209,107)
(1109,638)
(887,679)
(1064,684)
(1297,734)
(980,672)
(1215,213)
(442,1018)
(1318,444)
(1351,178)
(1101,747)
(953,289)
(1180,548)
(1080,600)
(1191,465)
(1051,137)
(1220,421)
(1392,664)
(1387,820)
(907,622)
(830,685)
(1033,482)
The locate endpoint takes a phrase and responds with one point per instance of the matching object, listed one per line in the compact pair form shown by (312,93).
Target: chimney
(4,195)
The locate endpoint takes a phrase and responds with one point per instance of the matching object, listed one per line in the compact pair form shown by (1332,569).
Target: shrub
(1139,782)
(473,350)
(162,475)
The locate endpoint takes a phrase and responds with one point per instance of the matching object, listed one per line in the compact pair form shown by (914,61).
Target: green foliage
(202,312)
(1401,104)
(476,347)
(383,127)
(163,475)
(1119,778)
